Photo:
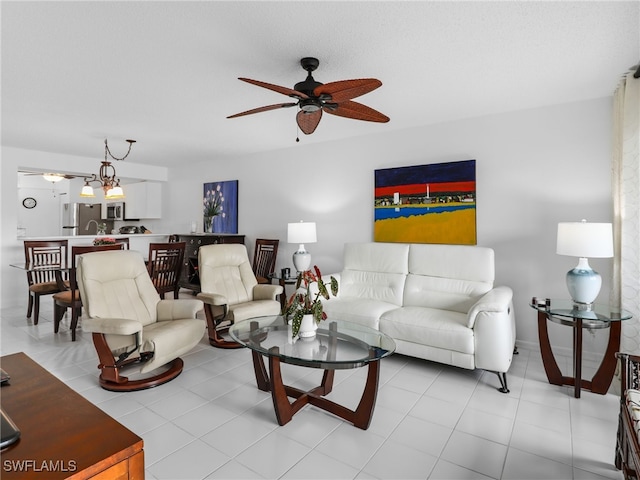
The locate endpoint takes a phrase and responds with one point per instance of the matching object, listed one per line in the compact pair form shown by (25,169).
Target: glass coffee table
(337,345)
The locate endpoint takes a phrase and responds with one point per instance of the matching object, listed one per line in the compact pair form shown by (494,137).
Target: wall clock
(29,202)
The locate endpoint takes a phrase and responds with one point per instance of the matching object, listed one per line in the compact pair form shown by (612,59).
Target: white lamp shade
(302,232)
(114,193)
(582,239)
(87,191)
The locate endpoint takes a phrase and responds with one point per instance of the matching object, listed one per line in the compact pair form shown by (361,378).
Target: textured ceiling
(165,73)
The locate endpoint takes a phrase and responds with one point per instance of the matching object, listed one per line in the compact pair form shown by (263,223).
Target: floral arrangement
(213,200)
(303,302)
(104,241)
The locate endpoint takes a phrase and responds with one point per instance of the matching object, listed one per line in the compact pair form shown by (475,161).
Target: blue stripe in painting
(384,213)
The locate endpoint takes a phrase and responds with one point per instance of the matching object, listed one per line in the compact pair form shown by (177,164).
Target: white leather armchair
(230,290)
(130,323)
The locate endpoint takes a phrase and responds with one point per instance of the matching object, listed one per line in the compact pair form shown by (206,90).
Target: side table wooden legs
(601,380)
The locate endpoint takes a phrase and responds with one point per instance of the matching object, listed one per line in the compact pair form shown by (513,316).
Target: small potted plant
(304,308)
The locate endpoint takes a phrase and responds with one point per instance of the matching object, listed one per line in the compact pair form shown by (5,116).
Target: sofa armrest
(111,326)
(497,300)
(178,309)
(213,298)
(266,291)
(494,330)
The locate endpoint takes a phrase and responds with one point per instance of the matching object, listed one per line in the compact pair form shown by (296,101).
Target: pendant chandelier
(106,177)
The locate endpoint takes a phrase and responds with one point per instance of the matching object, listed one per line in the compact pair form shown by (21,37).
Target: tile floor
(431,421)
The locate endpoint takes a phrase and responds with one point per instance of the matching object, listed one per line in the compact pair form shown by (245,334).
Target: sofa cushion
(448,277)
(384,287)
(442,293)
(377,257)
(357,310)
(374,271)
(429,326)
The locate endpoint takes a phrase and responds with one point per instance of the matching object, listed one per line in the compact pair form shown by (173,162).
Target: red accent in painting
(421,188)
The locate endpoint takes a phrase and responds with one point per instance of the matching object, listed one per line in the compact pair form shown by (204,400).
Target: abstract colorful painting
(426,204)
(220,207)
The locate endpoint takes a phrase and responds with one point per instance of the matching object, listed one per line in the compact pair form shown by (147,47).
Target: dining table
(59,269)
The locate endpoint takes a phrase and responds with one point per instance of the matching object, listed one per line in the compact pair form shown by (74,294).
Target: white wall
(45,217)
(534,169)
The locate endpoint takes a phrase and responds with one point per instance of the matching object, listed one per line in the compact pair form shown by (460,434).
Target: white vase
(308,327)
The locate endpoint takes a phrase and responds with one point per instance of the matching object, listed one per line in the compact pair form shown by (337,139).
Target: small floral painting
(220,207)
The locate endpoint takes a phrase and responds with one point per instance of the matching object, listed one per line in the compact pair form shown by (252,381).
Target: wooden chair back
(264,259)
(39,253)
(165,266)
(124,242)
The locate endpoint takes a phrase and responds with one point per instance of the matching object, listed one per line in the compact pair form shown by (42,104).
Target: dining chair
(124,241)
(230,290)
(49,253)
(71,298)
(264,259)
(131,325)
(165,266)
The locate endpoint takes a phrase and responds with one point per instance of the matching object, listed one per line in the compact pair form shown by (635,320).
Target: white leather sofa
(437,302)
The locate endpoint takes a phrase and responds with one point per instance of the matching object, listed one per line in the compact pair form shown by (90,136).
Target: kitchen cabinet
(189,277)
(143,200)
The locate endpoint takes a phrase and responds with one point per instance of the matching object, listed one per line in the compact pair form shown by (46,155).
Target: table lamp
(301,233)
(583,240)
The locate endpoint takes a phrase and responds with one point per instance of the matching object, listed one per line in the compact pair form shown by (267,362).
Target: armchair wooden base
(215,331)
(110,378)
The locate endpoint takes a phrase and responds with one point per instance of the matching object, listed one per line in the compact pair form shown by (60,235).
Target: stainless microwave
(115,211)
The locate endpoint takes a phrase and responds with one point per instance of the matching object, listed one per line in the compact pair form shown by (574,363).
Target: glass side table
(283,282)
(564,313)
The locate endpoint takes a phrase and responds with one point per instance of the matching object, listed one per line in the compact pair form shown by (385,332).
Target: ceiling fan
(54,177)
(314,97)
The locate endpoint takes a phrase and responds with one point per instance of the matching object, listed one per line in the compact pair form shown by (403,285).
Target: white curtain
(626,204)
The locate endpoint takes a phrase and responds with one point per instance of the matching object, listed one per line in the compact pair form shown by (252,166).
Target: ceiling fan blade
(343,90)
(264,109)
(308,121)
(356,111)
(276,88)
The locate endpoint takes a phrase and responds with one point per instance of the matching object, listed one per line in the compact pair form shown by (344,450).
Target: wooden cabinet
(143,200)
(71,439)
(189,277)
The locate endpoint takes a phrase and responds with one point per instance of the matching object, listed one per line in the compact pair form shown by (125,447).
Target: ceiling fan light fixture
(52,177)
(310,105)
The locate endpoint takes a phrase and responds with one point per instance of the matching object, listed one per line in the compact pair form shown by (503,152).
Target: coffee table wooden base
(285,410)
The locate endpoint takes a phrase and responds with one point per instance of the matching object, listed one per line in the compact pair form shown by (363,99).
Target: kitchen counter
(114,235)
(137,241)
